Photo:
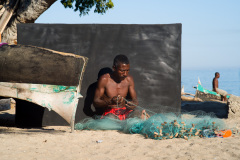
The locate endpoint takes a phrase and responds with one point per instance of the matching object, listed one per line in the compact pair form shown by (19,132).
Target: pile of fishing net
(164,125)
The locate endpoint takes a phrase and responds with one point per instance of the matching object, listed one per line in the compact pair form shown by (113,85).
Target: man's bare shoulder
(104,77)
(130,78)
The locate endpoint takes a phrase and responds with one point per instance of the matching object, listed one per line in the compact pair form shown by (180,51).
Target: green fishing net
(161,125)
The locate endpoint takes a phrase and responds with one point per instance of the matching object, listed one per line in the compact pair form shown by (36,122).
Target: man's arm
(100,99)
(215,85)
(134,102)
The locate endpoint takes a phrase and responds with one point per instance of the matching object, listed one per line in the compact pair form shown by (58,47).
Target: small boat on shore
(201,94)
(207,95)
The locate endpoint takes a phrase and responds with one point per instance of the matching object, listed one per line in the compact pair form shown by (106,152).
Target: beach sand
(57,142)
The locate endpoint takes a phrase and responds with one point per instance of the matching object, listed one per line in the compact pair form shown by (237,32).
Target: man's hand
(114,106)
(106,99)
(117,100)
(130,105)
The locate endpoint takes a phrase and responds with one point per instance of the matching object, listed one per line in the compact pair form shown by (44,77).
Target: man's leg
(140,114)
(222,97)
(225,98)
(223,94)
(144,115)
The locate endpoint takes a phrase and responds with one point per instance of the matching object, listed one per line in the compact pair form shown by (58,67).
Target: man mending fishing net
(112,90)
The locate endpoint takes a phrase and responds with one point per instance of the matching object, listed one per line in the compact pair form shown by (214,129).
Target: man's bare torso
(113,88)
(215,83)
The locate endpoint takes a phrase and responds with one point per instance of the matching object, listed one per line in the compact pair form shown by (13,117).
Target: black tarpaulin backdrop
(154,52)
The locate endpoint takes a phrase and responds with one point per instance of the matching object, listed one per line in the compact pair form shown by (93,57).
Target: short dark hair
(120,59)
(216,73)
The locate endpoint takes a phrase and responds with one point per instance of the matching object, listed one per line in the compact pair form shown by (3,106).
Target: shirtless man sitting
(216,89)
(113,88)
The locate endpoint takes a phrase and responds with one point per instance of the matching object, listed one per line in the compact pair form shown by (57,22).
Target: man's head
(121,66)
(217,75)
(120,59)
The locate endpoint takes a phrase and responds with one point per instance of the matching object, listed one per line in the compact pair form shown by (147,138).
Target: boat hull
(45,77)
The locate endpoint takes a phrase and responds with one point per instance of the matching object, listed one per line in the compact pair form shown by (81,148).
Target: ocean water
(229,80)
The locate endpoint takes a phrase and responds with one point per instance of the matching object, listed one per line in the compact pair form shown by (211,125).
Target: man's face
(122,70)
(218,75)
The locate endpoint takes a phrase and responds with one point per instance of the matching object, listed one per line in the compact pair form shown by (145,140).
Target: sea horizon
(229,79)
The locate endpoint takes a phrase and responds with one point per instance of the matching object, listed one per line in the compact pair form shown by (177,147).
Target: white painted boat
(45,77)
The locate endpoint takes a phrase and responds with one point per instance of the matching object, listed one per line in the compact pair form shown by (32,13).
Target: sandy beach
(57,142)
(104,61)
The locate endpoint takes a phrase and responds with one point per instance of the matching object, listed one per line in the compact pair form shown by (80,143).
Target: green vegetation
(84,6)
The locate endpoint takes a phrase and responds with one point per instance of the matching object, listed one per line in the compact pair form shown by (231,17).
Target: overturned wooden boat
(45,77)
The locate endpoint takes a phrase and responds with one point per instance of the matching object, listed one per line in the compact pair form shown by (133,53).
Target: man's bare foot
(144,115)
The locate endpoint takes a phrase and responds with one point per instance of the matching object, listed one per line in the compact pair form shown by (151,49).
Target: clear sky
(210,28)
